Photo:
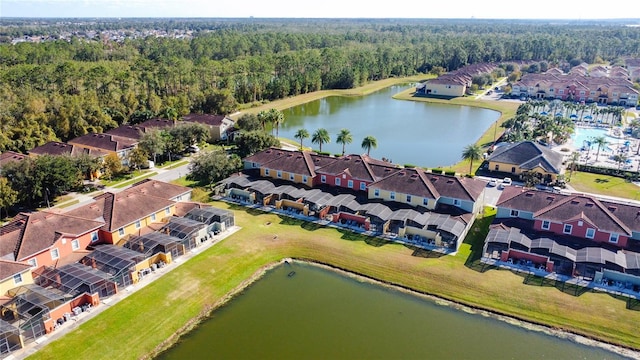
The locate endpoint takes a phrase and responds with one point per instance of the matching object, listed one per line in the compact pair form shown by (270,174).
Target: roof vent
(575,202)
(550,198)
(450,181)
(401,173)
(589,204)
(612,208)
(414,176)
(529,194)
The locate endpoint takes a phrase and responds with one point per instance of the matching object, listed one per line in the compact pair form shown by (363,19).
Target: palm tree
(344,138)
(368,143)
(277,118)
(263,117)
(301,134)
(321,136)
(601,141)
(575,156)
(472,153)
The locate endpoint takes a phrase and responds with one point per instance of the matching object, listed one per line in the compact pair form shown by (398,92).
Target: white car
(506,181)
(493,182)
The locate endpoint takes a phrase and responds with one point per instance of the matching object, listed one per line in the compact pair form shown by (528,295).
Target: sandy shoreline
(577,338)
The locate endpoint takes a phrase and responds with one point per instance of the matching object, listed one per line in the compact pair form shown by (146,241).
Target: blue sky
(484,9)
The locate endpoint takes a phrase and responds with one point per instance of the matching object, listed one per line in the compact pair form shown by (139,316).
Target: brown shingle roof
(353,164)
(159,188)
(60,148)
(295,162)
(123,208)
(408,181)
(518,198)
(457,188)
(127,131)
(37,231)
(104,142)
(9,156)
(206,119)
(10,268)
(580,207)
(265,156)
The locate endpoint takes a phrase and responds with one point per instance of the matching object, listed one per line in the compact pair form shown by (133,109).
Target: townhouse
(107,143)
(219,125)
(572,235)
(454,83)
(600,85)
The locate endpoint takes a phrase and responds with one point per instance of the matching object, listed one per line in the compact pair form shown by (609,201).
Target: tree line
(58,90)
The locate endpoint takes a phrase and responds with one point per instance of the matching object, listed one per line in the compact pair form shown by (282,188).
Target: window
(363,186)
(515,213)
(513,169)
(179,198)
(457,202)
(376,192)
(613,238)
(167,211)
(546,225)
(121,231)
(94,236)
(75,245)
(350,184)
(497,167)
(304,179)
(55,254)
(292,177)
(279,174)
(266,172)
(137,224)
(33,262)
(392,195)
(255,165)
(153,217)
(323,179)
(337,181)
(567,229)
(590,233)
(408,198)
(425,202)
(17,278)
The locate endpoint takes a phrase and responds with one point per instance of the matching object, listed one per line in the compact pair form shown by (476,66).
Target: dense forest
(63,88)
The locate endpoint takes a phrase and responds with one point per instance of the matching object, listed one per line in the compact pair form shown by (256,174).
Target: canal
(300,311)
(408,132)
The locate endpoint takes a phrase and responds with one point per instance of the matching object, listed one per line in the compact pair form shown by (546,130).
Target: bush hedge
(625,174)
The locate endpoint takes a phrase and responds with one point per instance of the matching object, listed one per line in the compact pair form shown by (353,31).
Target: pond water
(407,132)
(300,311)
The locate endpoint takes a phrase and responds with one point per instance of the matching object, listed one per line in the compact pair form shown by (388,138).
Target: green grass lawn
(136,326)
(604,185)
(135,180)
(174,164)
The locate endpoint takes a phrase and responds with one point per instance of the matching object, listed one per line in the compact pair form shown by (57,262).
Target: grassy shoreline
(136,326)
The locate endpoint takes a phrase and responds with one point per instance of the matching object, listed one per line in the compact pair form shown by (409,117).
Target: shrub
(437,171)
(409,166)
(452,173)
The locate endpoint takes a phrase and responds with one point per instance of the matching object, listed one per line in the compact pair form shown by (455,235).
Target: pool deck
(615,146)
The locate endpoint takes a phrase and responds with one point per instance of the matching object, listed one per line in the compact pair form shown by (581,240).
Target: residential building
(294,166)
(10,156)
(527,157)
(607,86)
(135,132)
(43,238)
(572,235)
(13,274)
(219,125)
(107,143)
(454,83)
(354,172)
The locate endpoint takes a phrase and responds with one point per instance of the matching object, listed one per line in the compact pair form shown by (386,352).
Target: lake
(408,132)
(320,314)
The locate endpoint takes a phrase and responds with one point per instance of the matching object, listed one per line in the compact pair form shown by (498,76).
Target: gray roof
(528,155)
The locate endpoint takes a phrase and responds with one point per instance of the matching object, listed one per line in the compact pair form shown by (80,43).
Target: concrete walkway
(76,321)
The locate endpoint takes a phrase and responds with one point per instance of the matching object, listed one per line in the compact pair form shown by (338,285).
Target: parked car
(493,183)
(506,181)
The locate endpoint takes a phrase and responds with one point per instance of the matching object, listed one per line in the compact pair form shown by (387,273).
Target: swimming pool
(582,135)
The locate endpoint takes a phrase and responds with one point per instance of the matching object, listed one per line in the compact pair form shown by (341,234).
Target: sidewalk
(33,347)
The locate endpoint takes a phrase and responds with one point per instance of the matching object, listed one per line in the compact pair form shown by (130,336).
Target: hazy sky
(485,9)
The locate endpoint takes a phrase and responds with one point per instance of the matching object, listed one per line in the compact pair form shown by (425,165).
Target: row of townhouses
(54,265)
(570,235)
(454,83)
(602,85)
(121,140)
(369,194)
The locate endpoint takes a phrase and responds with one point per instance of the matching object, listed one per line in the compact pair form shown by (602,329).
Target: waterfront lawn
(134,327)
(604,185)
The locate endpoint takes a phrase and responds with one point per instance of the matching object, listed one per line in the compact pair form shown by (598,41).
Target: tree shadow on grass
(601,181)
(632,304)
(369,240)
(424,253)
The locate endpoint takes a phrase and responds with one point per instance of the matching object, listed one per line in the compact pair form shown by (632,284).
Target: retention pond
(407,132)
(301,311)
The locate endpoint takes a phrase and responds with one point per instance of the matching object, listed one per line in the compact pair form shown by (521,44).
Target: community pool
(583,137)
